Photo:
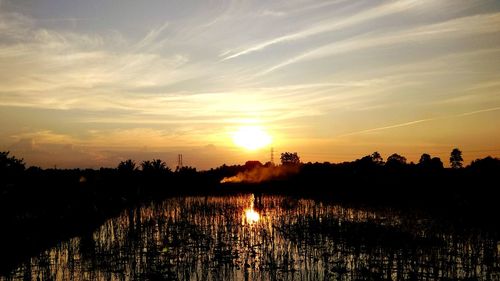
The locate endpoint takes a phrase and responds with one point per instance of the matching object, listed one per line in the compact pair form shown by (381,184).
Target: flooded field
(267,238)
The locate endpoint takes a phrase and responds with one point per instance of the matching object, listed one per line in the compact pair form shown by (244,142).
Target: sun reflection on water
(250,216)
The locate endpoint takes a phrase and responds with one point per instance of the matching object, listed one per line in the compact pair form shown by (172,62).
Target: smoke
(261,174)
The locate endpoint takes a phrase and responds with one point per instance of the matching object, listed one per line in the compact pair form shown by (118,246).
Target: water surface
(267,238)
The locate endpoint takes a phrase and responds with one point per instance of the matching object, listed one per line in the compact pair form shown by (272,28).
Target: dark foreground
(434,212)
(267,237)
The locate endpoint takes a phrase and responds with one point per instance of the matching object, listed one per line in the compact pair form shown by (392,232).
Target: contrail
(389,127)
(364,16)
(478,111)
(420,121)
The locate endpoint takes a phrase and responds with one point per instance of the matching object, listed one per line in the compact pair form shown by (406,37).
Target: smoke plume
(262,174)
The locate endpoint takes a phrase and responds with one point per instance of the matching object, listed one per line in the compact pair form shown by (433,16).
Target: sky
(89,83)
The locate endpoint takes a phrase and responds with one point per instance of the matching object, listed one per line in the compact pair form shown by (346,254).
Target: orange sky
(91,83)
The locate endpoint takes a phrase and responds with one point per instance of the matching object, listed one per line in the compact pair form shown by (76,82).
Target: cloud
(415,122)
(389,127)
(150,38)
(60,69)
(478,111)
(330,26)
(273,13)
(43,136)
(456,28)
(162,82)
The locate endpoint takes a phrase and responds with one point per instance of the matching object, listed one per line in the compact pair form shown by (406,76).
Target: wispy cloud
(330,26)
(478,111)
(150,38)
(71,70)
(415,122)
(462,27)
(389,127)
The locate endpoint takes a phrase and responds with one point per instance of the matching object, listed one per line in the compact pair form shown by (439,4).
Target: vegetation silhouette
(456,158)
(39,207)
(429,163)
(11,168)
(156,166)
(289,158)
(395,161)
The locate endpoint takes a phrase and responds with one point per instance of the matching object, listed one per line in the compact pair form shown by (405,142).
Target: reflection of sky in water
(265,238)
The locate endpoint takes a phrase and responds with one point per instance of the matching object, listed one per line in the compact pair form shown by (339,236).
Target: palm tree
(155,166)
(159,165)
(127,166)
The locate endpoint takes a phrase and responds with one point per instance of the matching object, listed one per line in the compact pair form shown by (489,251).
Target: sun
(251,137)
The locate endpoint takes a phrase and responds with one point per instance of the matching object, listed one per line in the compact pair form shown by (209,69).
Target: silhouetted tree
(425,160)
(430,163)
(456,158)
(10,162)
(155,166)
(127,166)
(486,165)
(377,158)
(395,160)
(10,166)
(436,163)
(186,170)
(146,166)
(289,158)
(159,165)
(369,161)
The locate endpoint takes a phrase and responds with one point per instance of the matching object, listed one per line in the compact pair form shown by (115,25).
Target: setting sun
(251,137)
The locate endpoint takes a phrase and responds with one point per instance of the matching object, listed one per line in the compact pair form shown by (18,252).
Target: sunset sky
(88,83)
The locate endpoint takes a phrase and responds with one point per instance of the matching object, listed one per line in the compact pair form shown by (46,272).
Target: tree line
(394,160)
(13,168)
